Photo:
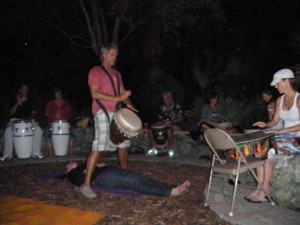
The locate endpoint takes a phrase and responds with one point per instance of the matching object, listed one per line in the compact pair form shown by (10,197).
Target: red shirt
(98,77)
(58,112)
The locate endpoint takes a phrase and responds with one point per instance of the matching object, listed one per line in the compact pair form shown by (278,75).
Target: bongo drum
(126,124)
(23,138)
(159,132)
(60,133)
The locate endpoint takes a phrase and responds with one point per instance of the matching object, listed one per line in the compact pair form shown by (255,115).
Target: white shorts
(102,140)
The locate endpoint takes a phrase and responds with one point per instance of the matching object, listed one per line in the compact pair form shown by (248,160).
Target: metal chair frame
(219,141)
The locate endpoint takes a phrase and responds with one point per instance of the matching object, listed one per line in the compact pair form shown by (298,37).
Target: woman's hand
(260,124)
(279,131)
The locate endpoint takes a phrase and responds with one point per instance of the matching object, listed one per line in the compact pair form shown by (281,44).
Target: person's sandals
(87,192)
(257,199)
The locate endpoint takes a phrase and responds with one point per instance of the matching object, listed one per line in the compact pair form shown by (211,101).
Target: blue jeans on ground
(113,178)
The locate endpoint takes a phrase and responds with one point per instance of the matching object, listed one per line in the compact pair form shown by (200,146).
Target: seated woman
(114,178)
(287,109)
(268,97)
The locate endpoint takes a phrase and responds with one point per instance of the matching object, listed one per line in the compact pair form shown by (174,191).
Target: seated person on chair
(113,178)
(58,109)
(211,114)
(22,109)
(171,114)
(287,109)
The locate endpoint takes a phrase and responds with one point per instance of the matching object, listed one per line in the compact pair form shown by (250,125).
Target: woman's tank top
(291,117)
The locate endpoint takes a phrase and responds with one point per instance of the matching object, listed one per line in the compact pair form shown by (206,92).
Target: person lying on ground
(114,178)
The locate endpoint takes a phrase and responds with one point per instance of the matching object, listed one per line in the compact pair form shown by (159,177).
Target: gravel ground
(29,181)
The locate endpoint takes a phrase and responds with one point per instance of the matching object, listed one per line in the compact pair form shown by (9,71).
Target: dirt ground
(29,181)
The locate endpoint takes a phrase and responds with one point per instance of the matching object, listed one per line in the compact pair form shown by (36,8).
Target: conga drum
(23,138)
(159,132)
(125,125)
(60,133)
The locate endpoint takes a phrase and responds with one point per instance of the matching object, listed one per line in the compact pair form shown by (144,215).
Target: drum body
(126,124)
(60,133)
(23,138)
(159,132)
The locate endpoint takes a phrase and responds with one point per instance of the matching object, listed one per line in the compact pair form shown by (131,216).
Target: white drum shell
(23,139)
(60,133)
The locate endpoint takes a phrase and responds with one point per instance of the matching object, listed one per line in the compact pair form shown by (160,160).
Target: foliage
(153,85)
(239,112)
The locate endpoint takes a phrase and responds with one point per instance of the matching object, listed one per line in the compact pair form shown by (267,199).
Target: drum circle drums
(60,133)
(23,138)
(125,125)
(159,132)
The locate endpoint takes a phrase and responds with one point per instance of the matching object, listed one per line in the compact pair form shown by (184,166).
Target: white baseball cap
(282,74)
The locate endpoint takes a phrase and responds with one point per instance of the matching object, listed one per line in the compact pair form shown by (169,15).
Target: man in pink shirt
(101,89)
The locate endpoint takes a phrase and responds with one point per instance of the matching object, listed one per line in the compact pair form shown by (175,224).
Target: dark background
(187,47)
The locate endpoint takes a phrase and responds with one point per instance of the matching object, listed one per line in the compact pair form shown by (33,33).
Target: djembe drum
(23,138)
(60,133)
(125,125)
(159,132)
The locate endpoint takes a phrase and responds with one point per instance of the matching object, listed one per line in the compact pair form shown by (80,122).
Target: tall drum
(60,132)
(125,125)
(159,132)
(23,138)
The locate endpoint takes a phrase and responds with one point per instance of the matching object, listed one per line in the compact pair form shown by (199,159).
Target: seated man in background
(114,178)
(170,114)
(56,110)
(22,109)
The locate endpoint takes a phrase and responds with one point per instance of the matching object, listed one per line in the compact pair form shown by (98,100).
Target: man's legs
(90,167)
(170,132)
(123,155)
(8,143)
(114,178)
(99,144)
(153,150)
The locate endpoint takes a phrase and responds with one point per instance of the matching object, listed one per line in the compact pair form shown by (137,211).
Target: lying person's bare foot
(180,188)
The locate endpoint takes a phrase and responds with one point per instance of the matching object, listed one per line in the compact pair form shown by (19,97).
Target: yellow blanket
(20,211)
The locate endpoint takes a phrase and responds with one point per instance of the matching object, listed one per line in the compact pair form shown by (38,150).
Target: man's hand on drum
(124,95)
(130,106)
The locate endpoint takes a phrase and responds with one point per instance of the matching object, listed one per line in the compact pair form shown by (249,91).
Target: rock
(286,184)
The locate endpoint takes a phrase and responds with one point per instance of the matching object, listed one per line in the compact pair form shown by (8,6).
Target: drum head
(128,120)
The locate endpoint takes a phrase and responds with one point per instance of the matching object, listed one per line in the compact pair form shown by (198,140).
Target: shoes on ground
(37,156)
(6,158)
(171,153)
(88,192)
(152,151)
(257,199)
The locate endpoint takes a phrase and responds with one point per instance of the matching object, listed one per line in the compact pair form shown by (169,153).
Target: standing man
(106,88)
(24,109)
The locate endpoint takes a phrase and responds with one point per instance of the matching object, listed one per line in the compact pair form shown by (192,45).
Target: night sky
(265,35)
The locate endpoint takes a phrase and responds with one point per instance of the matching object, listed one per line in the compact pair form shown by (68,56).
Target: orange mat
(20,211)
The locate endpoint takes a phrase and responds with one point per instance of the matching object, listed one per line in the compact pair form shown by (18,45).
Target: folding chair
(220,142)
